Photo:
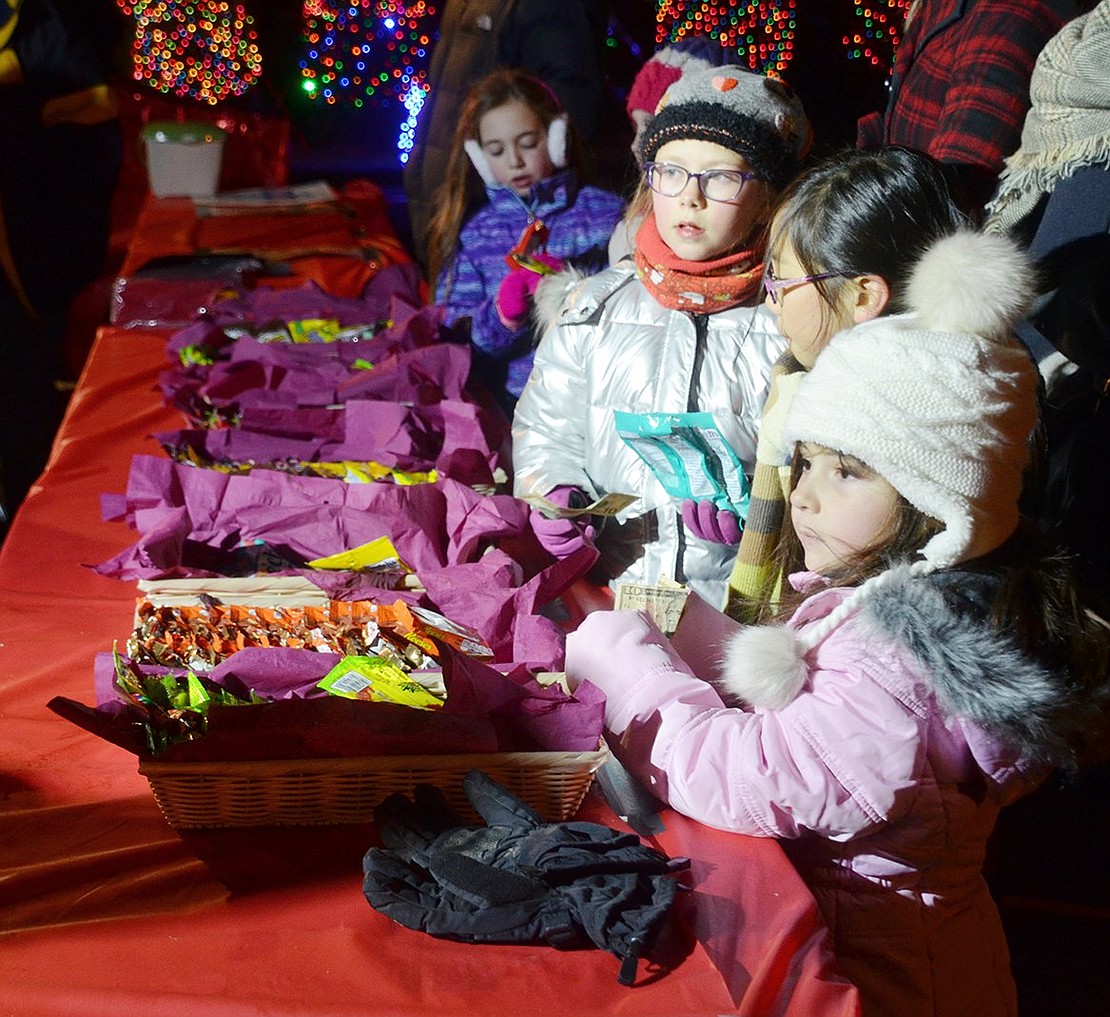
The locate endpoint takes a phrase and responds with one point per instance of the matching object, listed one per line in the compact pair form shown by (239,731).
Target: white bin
(183,159)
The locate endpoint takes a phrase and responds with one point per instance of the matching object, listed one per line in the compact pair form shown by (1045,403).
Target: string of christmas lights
(877,41)
(362,50)
(197,49)
(762,31)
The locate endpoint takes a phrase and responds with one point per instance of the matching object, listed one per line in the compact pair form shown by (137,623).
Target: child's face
(839,508)
(805,320)
(514,140)
(694,227)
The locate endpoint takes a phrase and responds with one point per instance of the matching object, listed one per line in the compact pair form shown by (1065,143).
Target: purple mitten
(514,297)
(562,537)
(706,522)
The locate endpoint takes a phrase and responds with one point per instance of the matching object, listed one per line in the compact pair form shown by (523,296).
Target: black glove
(517,879)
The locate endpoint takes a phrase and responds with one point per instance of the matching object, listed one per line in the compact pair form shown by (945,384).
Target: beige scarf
(1068,125)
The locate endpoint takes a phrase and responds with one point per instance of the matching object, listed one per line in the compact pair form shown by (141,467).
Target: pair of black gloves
(517,879)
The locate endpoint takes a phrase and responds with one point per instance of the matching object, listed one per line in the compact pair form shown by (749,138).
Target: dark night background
(340,141)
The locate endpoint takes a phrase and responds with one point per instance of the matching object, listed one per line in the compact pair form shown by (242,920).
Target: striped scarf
(756,581)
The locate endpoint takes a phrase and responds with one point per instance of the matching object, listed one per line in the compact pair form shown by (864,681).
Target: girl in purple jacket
(935,662)
(514,136)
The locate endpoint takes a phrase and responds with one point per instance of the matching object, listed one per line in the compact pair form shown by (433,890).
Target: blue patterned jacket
(581,220)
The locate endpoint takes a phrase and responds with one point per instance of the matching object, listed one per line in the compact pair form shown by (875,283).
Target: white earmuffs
(556,150)
(480,162)
(557,141)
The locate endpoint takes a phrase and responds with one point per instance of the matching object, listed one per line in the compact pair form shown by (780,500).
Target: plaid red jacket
(960,87)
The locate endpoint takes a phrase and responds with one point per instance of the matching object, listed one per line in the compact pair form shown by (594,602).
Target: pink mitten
(562,537)
(514,297)
(706,522)
(608,644)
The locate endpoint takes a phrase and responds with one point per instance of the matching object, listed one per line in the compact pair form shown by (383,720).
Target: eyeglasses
(775,287)
(715,184)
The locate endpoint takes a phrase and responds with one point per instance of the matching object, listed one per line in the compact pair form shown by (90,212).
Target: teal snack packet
(689,456)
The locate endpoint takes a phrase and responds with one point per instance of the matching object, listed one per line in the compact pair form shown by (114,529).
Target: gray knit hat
(756,117)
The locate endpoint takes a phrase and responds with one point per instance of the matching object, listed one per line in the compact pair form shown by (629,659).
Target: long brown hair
(910,530)
(462,192)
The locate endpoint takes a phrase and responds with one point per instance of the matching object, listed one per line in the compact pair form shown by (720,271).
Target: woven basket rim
(360,764)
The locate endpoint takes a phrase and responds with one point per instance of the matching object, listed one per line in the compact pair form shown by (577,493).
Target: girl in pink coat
(933,666)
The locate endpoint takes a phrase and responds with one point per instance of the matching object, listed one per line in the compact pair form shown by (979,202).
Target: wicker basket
(310,792)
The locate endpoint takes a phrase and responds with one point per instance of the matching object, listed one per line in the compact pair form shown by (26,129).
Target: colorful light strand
(363,50)
(198,49)
(761,31)
(877,41)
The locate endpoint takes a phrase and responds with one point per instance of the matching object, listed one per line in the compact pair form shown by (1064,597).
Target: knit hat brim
(758,118)
(765,151)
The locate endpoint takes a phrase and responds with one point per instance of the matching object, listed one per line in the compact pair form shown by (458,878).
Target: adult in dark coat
(61,152)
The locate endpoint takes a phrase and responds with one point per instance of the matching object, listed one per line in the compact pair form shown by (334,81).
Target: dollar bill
(606,505)
(663,602)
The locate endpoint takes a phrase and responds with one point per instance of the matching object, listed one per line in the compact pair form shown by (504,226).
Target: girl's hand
(607,643)
(514,297)
(562,537)
(706,522)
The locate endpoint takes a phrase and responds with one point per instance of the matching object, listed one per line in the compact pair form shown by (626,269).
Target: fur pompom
(972,282)
(764,665)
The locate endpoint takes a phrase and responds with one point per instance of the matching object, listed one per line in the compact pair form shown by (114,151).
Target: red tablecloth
(340,247)
(107,910)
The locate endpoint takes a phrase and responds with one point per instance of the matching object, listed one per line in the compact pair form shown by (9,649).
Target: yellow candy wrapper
(376,556)
(367,472)
(377,680)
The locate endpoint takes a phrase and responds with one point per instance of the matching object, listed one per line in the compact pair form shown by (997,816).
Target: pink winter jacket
(884,799)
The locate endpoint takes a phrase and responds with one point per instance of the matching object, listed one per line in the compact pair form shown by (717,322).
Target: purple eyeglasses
(774,287)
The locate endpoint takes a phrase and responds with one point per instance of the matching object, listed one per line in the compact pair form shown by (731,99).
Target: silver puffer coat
(612,346)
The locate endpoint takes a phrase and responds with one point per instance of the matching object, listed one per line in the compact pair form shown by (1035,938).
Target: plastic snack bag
(689,456)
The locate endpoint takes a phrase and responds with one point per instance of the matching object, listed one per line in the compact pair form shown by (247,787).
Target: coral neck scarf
(701,287)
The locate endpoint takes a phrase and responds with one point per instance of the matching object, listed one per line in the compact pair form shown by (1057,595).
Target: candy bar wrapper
(373,679)
(393,294)
(193,521)
(487,600)
(482,701)
(200,636)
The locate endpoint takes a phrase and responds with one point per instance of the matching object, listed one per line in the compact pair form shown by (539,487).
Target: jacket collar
(550,194)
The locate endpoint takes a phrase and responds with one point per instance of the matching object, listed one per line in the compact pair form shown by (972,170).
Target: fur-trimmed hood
(977,673)
(573,296)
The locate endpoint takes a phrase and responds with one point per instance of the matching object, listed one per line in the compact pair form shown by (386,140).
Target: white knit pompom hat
(940,402)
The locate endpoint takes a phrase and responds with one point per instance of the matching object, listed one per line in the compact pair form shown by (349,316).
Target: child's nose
(803,496)
(691,193)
